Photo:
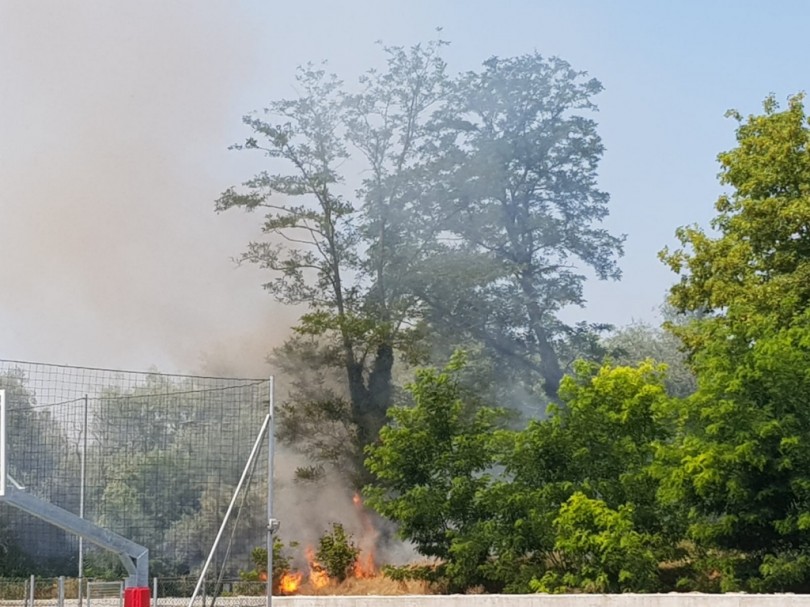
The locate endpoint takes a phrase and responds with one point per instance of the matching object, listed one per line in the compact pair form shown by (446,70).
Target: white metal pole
(271,522)
(82,479)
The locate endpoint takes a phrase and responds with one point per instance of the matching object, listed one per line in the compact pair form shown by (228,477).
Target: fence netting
(154,457)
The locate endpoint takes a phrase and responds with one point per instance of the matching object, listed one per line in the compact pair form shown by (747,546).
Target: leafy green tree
(601,551)
(134,502)
(484,501)
(432,462)
(738,464)
(478,210)
(758,267)
(518,155)
(600,442)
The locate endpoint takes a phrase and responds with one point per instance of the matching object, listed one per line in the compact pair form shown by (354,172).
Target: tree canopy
(474,220)
(632,483)
(737,464)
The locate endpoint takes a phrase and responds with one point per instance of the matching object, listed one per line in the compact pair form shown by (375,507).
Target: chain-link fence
(151,456)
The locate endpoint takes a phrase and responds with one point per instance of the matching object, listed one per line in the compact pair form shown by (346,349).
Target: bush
(337,553)
(281,564)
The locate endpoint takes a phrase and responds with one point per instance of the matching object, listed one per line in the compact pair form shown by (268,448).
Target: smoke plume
(116,120)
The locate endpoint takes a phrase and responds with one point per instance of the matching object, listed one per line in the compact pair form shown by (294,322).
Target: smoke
(307,510)
(116,120)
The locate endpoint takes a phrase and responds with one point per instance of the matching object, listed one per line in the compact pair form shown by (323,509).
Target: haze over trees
(628,486)
(474,220)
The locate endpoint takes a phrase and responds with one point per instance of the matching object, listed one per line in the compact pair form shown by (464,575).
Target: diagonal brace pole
(134,556)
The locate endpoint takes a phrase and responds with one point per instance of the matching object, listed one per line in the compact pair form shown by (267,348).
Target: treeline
(627,486)
(472,225)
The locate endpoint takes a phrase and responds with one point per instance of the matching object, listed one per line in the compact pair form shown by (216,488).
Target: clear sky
(115,118)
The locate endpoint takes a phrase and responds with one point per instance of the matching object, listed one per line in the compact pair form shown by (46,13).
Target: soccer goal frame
(134,557)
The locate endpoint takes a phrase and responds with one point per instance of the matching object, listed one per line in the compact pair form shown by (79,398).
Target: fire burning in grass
(364,567)
(318,578)
(290,582)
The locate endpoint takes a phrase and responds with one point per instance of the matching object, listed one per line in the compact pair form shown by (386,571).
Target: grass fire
(339,563)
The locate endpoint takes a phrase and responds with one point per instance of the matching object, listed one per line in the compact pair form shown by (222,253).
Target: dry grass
(379,585)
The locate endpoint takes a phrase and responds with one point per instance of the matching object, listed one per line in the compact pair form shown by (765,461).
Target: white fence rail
(58,592)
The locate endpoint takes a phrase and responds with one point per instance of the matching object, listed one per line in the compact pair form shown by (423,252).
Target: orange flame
(317,574)
(290,582)
(365,567)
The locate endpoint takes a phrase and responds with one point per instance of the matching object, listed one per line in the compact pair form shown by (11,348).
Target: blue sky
(117,116)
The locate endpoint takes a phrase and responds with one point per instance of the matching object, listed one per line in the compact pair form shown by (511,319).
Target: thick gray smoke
(115,122)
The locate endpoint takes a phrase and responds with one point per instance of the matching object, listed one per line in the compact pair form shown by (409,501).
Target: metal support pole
(60,597)
(31,587)
(154,592)
(82,479)
(272,524)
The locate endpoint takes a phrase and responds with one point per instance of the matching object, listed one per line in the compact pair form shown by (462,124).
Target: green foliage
(349,247)
(401,573)
(737,467)
(282,563)
(599,551)
(431,462)
(37,443)
(336,552)
(600,443)
(479,198)
(435,464)
(758,267)
(637,342)
(103,565)
(13,561)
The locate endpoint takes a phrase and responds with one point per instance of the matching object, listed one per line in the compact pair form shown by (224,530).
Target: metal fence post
(31,587)
(60,600)
(154,592)
(82,482)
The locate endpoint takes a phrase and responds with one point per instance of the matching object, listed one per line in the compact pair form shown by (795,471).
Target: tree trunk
(380,385)
(549,361)
(549,364)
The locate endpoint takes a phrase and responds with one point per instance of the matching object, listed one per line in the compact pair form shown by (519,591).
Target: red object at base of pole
(137,597)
